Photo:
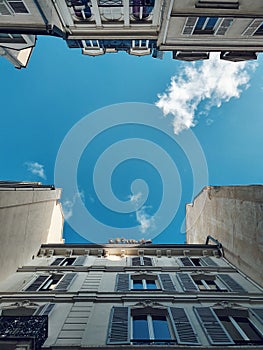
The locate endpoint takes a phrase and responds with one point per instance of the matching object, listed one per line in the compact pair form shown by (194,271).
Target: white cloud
(146,221)
(68,205)
(213,81)
(36,169)
(135,197)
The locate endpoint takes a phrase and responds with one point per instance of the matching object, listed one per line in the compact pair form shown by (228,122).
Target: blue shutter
(147,261)
(166,282)
(80,260)
(184,331)
(230,283)
(65,282)
(186,282)
(122,282)
(37,283)
(119,326)
(207,261)
(215,332)
(186,261)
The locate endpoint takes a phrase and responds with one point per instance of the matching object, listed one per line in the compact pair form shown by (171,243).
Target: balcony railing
(21,328)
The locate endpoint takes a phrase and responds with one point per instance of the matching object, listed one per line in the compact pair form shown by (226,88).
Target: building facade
(118,296)
(30,214)
(190,29)
(234,216)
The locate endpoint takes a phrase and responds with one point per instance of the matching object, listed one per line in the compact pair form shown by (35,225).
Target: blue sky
(42,103)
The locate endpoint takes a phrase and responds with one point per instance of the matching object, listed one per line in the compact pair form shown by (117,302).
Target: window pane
(151,284)
(248,328)
(137,284)
(235,335)
(160,328)
(211,23)
(200,22)
(140,327)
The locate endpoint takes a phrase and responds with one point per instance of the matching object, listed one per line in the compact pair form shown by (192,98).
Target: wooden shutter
(65,282)
(186,282)
(80,260)
(4,10)
(252,28)
(186,261)
(122,282)
(37,283)
(230,283)
(189,25)
(207,261)
(57,261)
(136,261)
(224,25)
(119,326)
(258,313)
(166,282)
(215,332)
(147,261)
(184,331)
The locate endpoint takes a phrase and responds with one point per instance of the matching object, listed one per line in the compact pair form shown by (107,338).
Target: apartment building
(134,296)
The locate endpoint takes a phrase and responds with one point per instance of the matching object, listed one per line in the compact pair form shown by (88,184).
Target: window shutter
(258,313)
(186,282)
(65,282)
(252,28)
(184,331)
(57,261)
(147,261)
(230,283)
(37,283)
(216,333)
(207,261)
(186,261)
(136,261)
(122,282)
(4,10)
(166,282)
(80,260)
(119,326)
(224,25)
(47,309)
(189,25)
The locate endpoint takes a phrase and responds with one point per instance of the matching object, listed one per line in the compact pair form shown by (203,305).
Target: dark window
(18,6)
(259,31)
(141,261)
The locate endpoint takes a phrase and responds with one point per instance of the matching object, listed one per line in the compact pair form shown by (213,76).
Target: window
(151,327)
(205,261)
(52,282)
(18,6)
(205,25)
(148,325)
(206,282)
(79,261)
(11,38)
(141,261)
(259,31)
(229,326)
(217,4)
(126,282)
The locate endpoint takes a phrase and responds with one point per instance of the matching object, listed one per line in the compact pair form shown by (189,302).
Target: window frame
(142,260)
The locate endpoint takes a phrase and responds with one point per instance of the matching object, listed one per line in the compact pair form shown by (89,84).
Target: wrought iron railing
(34,328)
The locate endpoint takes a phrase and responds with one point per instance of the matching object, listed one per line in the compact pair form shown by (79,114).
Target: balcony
(23,329)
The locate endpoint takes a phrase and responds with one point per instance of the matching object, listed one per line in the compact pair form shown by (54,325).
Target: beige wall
(234,216)
(25,217)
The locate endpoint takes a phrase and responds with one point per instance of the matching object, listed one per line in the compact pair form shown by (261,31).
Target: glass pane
(200,23)
(248,329)
(151,284)
(137,284)
(140,327)
(160,328)
(211,23)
